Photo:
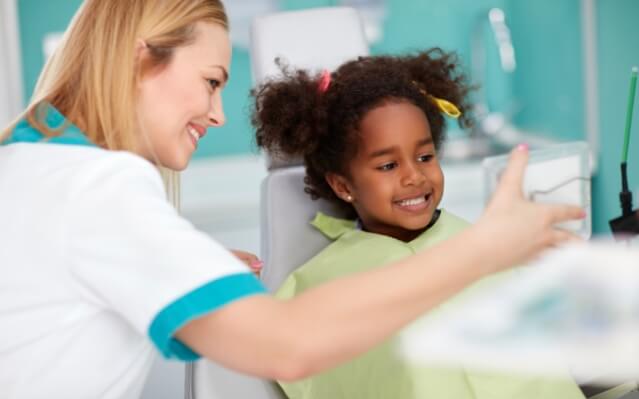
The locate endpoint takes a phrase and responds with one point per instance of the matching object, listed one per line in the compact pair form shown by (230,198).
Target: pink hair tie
(325,81)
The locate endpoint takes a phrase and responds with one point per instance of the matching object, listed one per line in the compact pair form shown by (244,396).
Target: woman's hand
(251,260)
(518,229)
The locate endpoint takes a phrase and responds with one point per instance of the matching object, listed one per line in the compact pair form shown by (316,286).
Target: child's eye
(214,83)
(387,166)
(425,158)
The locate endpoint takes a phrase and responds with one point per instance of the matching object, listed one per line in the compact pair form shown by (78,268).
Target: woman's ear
(140,49)
(340,186)
(141,57)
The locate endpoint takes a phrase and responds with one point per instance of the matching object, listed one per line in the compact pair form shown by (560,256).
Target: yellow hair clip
(444,106)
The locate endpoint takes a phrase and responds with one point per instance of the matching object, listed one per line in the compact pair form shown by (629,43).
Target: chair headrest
(313,39)
(288,239)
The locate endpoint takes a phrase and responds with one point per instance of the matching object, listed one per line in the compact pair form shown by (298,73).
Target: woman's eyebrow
(224,71)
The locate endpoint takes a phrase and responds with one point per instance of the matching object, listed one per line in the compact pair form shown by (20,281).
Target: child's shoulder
(446,226)
(333,227)
(350,251)
(452,221)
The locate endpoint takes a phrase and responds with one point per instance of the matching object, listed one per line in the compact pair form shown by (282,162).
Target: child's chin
(420,224)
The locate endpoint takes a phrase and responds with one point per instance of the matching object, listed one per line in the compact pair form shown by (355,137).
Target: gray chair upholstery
(288,240)
(208,380)
(313,39)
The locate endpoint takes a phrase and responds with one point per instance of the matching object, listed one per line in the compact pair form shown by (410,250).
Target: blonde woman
(99,271)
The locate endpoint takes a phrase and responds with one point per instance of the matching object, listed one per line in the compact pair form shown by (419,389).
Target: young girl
(369,134)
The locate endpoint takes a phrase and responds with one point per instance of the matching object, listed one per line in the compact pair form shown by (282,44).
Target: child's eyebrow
(390,150)
(426,141)
(382,152)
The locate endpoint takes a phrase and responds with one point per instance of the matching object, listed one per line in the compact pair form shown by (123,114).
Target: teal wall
(618,45)
(417,25)
(36,19)
(548,93)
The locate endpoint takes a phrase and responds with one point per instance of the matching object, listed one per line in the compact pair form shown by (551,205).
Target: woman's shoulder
(98,159)
(77,168)
(117,170)
(106,163)
(61,155)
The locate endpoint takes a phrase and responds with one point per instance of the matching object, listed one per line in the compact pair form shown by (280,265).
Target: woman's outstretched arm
(334,322)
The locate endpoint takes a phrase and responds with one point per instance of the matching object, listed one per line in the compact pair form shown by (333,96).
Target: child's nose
(413,176)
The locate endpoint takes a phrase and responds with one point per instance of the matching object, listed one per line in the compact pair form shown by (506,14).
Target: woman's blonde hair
(91,78)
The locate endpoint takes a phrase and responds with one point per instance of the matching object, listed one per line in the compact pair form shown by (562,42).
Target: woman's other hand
(251,260)
(518,229)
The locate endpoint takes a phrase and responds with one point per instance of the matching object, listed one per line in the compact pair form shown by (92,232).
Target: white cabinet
(463,190)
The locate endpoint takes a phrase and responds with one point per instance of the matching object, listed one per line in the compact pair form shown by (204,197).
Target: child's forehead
(394,115)
(398,126)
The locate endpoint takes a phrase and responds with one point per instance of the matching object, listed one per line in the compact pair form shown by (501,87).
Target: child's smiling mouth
(415,204)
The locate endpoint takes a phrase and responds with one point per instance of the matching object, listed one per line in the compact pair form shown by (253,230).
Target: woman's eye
(214,83)
(425,158)
(387,166)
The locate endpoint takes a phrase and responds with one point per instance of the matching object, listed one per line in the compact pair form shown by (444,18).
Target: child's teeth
(414,201)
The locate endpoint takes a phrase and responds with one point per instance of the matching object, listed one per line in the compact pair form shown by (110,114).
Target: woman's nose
(216,111)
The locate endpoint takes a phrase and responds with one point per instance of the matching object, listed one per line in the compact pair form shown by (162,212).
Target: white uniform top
(96,268)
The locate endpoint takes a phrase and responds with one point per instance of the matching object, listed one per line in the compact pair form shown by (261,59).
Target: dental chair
(313,39)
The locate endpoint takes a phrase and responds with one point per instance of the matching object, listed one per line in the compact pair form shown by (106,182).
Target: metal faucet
(493,132)
(490,122)
(487,136)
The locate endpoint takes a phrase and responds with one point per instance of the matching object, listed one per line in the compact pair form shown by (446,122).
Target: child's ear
(340,186)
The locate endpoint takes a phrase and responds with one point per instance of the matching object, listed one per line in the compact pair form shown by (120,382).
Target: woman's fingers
(513,176)
(560,236)
(523,228)
(250,259)
(564,213)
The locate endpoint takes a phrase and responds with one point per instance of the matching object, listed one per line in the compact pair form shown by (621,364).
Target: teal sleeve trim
(194,304)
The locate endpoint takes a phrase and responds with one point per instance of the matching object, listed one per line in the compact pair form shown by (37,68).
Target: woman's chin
(176,164)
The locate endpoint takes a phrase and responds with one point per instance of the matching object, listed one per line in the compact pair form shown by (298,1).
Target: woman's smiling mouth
(196,132)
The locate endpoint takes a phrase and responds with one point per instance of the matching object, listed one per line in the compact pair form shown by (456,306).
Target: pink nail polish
(257,264)
(522,147)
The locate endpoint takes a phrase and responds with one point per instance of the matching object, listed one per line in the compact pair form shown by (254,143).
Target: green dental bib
(381,373)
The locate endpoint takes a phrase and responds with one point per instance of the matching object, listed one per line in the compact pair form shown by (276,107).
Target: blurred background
(554,70)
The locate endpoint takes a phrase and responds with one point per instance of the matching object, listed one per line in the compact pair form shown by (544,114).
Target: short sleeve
(130,252)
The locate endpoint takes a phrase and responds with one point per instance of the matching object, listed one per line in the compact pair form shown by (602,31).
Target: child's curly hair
(294,118)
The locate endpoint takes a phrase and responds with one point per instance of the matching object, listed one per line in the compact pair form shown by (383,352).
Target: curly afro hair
(294,118)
